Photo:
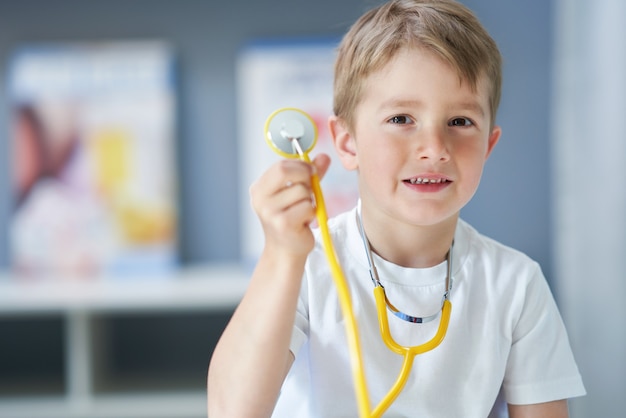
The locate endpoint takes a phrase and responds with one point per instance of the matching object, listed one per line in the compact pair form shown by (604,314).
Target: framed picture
(94,179)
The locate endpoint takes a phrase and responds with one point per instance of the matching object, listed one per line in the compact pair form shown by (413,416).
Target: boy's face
(420,140)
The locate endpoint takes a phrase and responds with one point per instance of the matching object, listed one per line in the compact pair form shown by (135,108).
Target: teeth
(420,180)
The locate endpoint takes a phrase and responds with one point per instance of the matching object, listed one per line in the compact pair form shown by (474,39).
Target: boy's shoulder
(476,245)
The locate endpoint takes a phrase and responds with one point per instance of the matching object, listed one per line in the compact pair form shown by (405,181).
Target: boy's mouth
(427,180)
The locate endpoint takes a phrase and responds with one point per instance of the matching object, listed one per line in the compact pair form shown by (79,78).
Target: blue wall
(512,204)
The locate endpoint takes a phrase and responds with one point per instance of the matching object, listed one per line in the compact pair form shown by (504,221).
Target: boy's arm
(252,357)
(555,409)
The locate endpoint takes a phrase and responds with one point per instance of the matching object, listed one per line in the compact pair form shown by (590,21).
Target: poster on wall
(93,165)
(273,75)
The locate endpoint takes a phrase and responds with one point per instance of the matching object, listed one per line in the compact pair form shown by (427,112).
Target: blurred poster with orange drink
(93,159)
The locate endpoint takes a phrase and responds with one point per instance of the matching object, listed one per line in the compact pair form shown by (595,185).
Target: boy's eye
(460,122)
(400,120)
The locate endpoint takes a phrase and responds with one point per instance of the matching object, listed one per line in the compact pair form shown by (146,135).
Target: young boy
(417,86)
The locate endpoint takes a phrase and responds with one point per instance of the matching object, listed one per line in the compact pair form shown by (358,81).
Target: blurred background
(553,188)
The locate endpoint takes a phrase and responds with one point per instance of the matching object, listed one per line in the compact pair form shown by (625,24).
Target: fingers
(287,177)
(321,163)
(284,185)
(289,173)
(283,200)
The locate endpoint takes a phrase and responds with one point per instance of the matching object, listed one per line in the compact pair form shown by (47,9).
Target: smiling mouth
(421,180)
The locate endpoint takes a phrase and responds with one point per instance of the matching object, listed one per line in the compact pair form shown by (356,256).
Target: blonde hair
(444,27)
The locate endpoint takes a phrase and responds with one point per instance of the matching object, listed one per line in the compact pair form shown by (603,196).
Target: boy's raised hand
(283,200)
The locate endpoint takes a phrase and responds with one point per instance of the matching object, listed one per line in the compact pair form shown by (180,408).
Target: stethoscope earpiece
(290,132)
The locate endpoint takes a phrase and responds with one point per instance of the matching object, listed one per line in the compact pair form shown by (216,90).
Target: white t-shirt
(505,331)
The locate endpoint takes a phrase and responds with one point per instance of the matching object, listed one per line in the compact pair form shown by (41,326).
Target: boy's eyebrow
(399,102)
(470,105)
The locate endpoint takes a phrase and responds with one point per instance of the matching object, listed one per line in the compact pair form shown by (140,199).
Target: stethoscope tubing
(345,302)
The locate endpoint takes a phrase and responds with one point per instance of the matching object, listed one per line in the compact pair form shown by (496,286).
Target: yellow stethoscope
(292,133)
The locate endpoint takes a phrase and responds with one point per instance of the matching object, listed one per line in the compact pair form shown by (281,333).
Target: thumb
(321,164)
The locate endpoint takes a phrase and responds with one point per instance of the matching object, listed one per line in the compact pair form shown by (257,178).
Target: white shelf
(200,287)
(162,405)
(203,289)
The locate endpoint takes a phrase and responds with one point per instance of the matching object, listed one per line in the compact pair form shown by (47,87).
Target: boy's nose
(431,145)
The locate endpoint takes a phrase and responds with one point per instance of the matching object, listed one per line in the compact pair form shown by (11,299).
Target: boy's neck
(411,246)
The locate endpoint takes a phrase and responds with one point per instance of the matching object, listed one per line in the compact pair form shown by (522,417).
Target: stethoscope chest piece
(287,125)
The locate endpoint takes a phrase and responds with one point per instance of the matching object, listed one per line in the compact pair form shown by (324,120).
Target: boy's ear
(344,142)
(494,137)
